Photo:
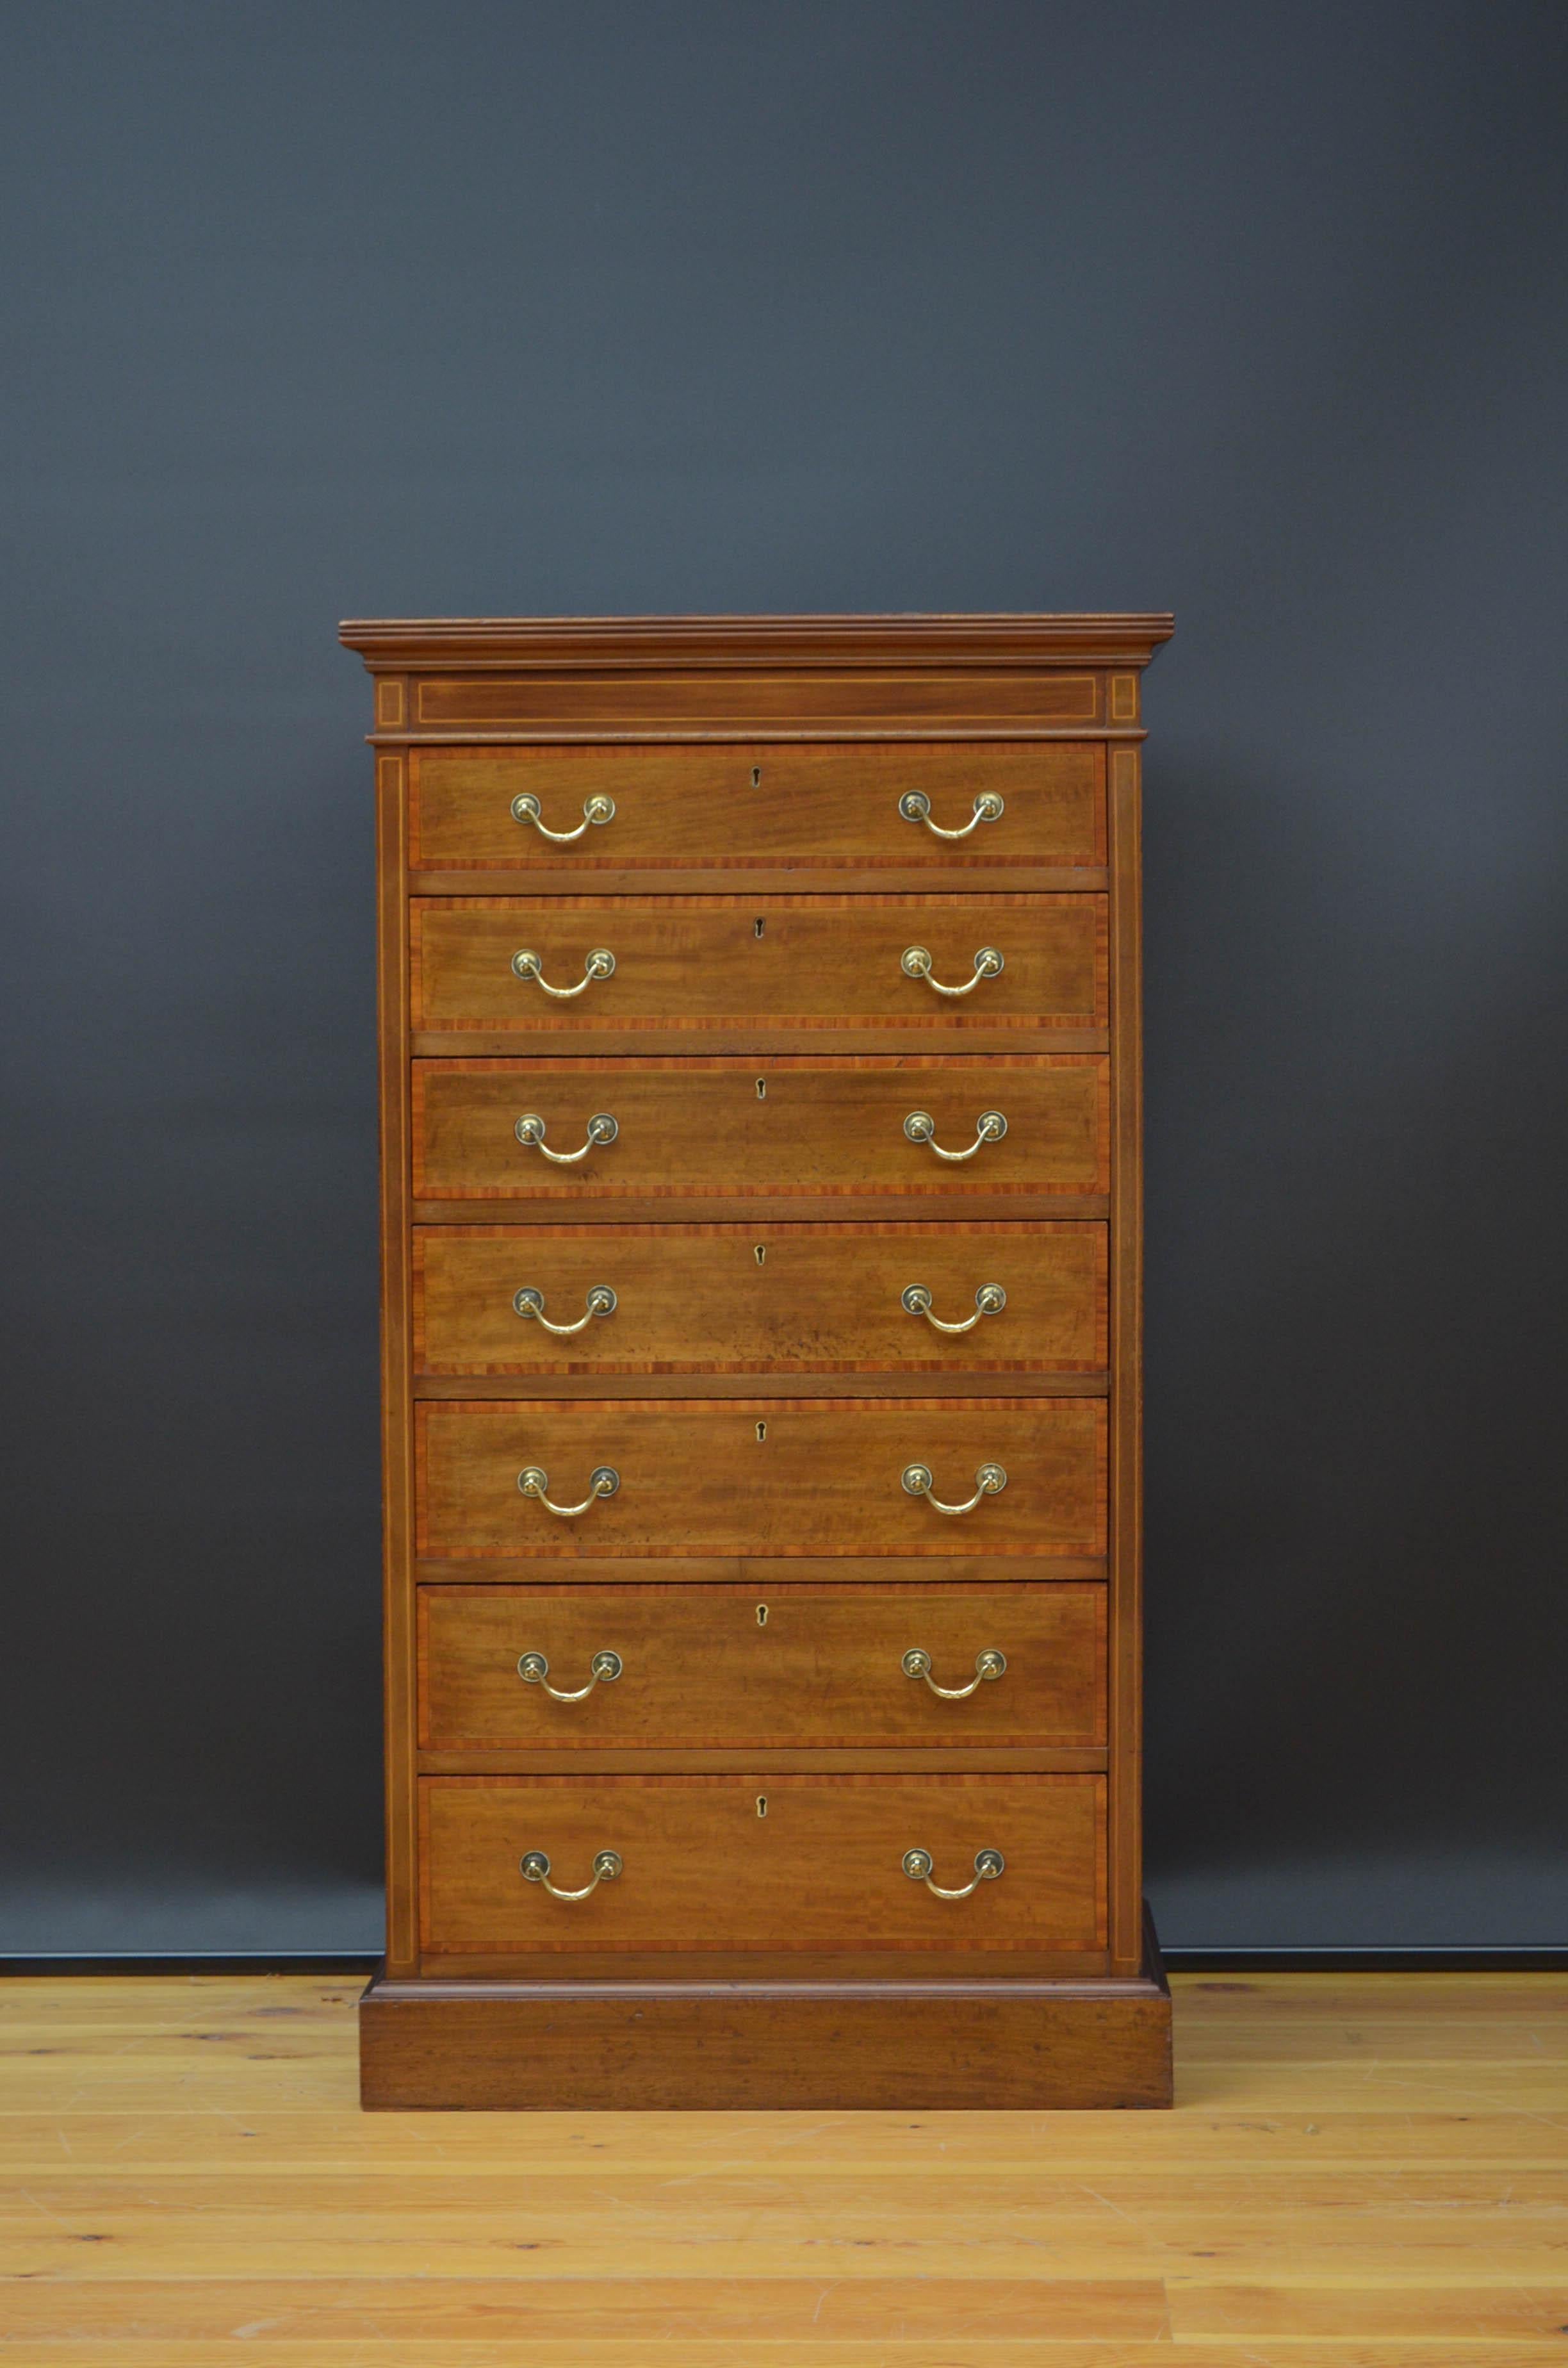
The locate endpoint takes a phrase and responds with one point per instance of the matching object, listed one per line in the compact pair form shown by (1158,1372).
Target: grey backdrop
(1252,312)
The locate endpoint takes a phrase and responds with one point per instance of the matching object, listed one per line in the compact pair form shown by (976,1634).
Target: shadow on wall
(1354,1385)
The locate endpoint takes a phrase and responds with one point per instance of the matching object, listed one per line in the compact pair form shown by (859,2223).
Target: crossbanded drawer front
(651,1666)
(725,1128)
(1032,964)
(755,1476)
(725,806)
(763,1297)
(822,1867)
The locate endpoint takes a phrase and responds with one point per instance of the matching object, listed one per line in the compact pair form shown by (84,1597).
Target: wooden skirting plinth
(766,2047)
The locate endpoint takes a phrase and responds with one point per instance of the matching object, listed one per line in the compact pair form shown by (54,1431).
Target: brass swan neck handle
(916,807)
(530,1131)
(989,1300)
(989,1481)
(915,963)
(989,1664)
(534,1867)
(534,1670)
(602,1482)
(921,1127)
(596,810)
(601,1301)
(988,1866)
(529,966)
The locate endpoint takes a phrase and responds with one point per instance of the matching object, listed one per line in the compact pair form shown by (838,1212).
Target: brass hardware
(600,963)
(916,807)
(756,777)
(603,1481)
(915,963)
(762,1615)
(762,1805)
(595,810)
(601,1301)
(760,1253)
(534,1670)
(988,1866)
(530,1131)
(989,1300)
(758,926)
(921,1127)
(989,1481)
(761,1432)
(534,1867)
(988,1665)
(761,1090)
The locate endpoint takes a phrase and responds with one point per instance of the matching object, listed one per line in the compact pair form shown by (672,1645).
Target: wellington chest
(761,1261)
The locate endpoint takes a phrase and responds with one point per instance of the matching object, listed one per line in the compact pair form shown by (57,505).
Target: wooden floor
(1368,2170)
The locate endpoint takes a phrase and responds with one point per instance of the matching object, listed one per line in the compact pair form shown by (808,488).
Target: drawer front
(722,806)
(492,963)
(710,1666)
(777,1476)
(712,1127)
(821,1869)
(778,1298)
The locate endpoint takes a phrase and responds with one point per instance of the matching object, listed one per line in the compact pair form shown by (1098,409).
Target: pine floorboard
(1361,2171)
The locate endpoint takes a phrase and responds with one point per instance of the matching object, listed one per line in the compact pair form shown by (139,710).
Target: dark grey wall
(1252,313)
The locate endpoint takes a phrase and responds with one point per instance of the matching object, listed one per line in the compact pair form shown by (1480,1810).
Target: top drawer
(729,807)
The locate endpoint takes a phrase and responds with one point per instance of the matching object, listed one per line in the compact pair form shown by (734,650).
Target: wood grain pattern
(760,1571)
(716,1666)
(935,697)
(1126,1378)
(844,2046)
(807,963)
(397,1444)
(694,1127)
(600,645)
(700,1298)
(1360,2171)
(700,1477)
(813,807)
(823,1861)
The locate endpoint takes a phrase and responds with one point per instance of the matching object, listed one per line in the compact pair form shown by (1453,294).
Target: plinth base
(767,2047)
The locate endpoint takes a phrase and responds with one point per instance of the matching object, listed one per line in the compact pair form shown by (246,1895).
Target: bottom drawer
(734,1862)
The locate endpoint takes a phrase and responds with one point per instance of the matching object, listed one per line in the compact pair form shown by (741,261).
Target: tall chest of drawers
(760,1104)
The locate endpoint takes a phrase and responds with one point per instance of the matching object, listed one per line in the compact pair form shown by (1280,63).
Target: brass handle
(988,1866)
(534,1670)
(921,1127)
(529,1131)
(534,1867)
(602,1482)
(989,1300)
(916,807)
(600,963)
(988,1666)
(989,1481)
(595,810)
(601,1301)
(915,963)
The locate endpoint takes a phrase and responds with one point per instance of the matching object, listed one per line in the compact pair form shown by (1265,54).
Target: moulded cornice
(617,644)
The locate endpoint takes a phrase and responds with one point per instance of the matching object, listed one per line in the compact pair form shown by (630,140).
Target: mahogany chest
(760,1120)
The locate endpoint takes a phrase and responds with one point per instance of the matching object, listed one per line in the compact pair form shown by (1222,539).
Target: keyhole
(760,1253)
(758,926)
(762,1615)
(761,1090)
(756,784)
(761,1432)
(762,1805)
